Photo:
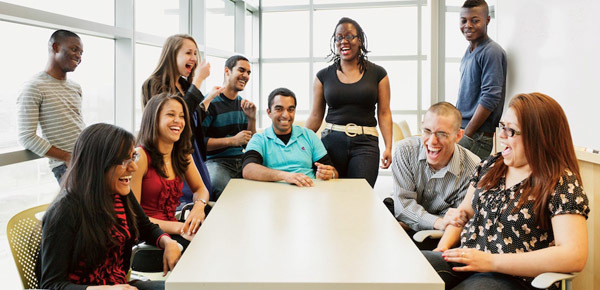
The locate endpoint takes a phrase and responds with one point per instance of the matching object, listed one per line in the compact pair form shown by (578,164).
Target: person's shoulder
(37,79)
(410,146)
(492,47)
(326,70)
(470,158)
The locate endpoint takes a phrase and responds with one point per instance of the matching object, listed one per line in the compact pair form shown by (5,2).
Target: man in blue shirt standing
(482,82)
(286,152)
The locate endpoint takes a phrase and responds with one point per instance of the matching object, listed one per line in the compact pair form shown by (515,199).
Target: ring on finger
(462,254)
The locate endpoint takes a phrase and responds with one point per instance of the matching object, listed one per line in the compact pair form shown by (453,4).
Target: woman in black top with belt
(352,88)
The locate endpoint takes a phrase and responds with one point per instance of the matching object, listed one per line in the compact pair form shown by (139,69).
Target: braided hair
(362,54)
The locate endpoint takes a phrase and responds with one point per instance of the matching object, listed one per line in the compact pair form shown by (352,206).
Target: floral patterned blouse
(496,228)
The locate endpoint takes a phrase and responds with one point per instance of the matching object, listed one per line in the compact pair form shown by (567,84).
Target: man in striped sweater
(229,125)
(432,172)
(53,102)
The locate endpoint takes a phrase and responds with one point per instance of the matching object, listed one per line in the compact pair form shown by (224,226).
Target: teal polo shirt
(298,156)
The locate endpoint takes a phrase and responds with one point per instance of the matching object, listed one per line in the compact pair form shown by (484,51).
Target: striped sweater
(56,106)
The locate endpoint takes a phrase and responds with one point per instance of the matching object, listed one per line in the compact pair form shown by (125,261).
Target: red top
(160,196)
(111,271)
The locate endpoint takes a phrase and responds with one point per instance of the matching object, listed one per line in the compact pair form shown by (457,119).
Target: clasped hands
(324,172)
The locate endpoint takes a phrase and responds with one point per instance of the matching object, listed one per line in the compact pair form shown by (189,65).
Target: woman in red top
(165,161)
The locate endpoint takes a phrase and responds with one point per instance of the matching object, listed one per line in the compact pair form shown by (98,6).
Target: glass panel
(217,70)
(452,82)
(267,3)
(403,84)
(101,11)
(24,185)
(160,17)
(425,84)
(345,1)
(249,37)
(382,37)
(220,17)
(277,42)
(456,44)
(95,75)
(293,76)
(412,121)
(146,60)
(457,3)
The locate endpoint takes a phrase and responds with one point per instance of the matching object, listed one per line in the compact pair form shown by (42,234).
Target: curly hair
(362,55)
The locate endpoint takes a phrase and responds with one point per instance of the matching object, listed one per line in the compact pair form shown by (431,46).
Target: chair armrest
(420,236)
(545,280)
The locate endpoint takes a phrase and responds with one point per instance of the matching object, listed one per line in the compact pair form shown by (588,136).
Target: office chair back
(24,232)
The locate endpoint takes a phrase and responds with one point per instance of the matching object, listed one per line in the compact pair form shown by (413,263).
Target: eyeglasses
(510,132)
(348,37)
(439,135)
(133,158)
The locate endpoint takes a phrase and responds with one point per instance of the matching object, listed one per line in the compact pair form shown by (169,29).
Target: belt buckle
(346,129)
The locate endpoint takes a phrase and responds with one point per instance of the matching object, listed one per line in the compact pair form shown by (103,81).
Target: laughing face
(514,151)
(118,177)
(439,136)
(347,49)
(187,57)
(473,23)
(68,53)
(171,121)
(282,114)
(238,76)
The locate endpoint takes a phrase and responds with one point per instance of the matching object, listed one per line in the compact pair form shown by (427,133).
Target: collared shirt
(422,195)
(298,155)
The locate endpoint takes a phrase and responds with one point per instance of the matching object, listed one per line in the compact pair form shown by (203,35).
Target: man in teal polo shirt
(286,152)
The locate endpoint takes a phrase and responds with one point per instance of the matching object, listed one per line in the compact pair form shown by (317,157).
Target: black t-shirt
(352,103)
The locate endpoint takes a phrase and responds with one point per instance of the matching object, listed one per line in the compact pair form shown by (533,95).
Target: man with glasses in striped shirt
(431,173)
(54,102)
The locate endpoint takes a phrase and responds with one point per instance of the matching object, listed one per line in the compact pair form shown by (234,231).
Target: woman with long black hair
(89,229)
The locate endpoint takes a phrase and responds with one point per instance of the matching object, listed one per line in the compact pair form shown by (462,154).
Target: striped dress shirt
(422,195)
(56,106)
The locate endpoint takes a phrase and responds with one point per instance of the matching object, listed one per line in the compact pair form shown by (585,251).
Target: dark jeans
(353,157)
(221,170)
(151,260)
(472,280)
(148,285)
(480,144)
(59,171)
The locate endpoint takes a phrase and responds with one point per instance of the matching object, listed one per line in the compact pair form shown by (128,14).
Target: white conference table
(271,235)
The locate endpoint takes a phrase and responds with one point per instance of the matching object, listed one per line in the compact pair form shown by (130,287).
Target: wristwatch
(200,200)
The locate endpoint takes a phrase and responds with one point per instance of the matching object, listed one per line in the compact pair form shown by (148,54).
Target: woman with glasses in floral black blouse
(526,206)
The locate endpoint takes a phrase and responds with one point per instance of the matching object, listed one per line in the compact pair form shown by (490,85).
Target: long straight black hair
(85,194)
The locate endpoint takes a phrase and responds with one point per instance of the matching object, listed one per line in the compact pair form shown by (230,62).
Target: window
(159,17)
(146,60)
(220,18)
(101,11)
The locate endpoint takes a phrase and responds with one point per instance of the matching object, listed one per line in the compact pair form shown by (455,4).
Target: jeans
(148,285)
(472,280)
(59,171)
(353,157)
(221,170)
(479,144)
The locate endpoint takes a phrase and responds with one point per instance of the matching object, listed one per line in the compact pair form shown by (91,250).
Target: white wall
(553,46)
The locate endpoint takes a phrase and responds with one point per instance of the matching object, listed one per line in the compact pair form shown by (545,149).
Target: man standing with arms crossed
(482,82)
(54,102)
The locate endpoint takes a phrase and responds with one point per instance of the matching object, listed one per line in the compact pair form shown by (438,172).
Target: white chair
(541,281)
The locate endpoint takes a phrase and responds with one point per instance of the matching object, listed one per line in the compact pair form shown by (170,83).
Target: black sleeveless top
(352,103)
